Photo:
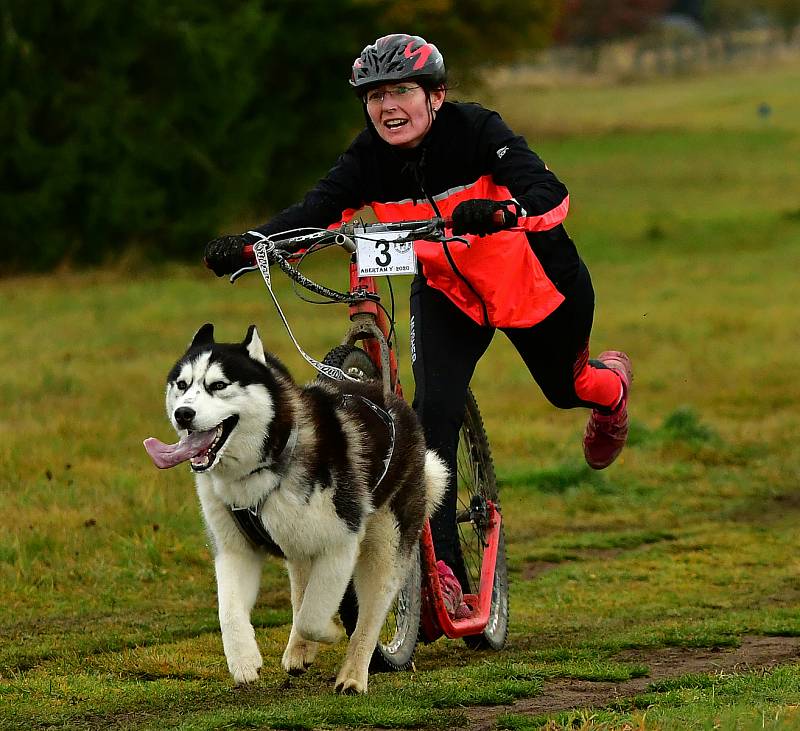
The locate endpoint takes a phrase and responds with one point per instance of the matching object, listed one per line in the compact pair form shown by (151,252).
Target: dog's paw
(329,633)
(352,677)
(298,655)
(351,686)
(244,668)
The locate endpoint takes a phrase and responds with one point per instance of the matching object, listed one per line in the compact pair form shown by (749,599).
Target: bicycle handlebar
(432,229)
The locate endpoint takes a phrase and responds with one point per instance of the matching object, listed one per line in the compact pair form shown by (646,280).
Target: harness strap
(248,519)
(387,419)
(261,250)
(252,527)
(283,458)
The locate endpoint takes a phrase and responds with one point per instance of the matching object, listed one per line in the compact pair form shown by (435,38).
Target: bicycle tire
(477,482)
(398,639)
(353,361)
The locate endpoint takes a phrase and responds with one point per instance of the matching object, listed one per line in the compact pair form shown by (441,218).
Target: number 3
(384,247)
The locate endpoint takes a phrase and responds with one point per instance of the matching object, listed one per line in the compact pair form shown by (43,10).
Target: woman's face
(400,112)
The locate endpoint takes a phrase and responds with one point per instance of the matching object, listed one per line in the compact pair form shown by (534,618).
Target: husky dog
(328,475)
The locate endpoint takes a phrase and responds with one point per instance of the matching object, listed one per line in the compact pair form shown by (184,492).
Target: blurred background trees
(159,124)
(151,122)
(585,22)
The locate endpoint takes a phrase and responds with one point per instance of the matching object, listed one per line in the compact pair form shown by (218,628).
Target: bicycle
(419,611)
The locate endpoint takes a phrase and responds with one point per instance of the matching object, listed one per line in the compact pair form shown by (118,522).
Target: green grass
(686,207)
(729,701)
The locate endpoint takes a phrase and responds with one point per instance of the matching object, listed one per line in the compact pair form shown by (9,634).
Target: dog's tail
(436,476)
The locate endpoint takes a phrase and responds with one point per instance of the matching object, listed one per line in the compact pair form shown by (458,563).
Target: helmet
(397,57)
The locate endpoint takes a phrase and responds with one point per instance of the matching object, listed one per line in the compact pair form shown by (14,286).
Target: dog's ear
(204,336)
(255,348)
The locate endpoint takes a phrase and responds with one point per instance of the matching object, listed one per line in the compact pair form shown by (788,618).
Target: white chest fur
(304,525)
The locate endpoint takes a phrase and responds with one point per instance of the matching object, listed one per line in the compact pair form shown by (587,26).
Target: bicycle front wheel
(353,361)
(476,485)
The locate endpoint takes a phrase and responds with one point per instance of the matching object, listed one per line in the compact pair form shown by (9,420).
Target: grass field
(661,593)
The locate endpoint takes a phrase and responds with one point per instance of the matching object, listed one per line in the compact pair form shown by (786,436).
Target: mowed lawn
(686,207)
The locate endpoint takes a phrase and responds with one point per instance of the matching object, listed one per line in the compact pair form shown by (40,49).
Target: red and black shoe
(606,433)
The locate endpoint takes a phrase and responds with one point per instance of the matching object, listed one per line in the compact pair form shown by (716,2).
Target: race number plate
(381,254)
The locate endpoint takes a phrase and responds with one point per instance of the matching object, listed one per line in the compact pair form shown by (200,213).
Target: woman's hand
(225,255)
(481,216)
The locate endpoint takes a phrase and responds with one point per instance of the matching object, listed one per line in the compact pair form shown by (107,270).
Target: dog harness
(248,519)
(252,527)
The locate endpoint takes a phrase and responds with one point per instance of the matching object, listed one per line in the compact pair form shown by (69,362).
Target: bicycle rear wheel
(398,638)
(477,484)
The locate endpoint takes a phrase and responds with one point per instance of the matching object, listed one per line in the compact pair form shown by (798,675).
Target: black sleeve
(514,165)
(334,197)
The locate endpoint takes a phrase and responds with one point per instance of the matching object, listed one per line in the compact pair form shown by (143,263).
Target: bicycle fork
(371,326)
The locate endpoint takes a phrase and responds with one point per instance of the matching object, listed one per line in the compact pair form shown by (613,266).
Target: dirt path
(565,694)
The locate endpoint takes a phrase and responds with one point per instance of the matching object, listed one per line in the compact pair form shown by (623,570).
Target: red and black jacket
(507,279)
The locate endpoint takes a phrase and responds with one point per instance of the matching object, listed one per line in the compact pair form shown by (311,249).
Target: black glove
(225,255)
(481,216)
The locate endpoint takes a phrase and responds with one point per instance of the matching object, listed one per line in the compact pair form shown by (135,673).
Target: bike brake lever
(448,239)
(241,272)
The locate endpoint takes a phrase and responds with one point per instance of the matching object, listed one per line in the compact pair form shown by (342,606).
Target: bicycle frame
(370,326)
(480,604)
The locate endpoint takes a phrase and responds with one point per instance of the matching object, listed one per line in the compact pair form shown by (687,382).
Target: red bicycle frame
(370,326)
(439,621)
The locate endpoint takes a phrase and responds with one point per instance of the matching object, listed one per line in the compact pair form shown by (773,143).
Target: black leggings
(445,348)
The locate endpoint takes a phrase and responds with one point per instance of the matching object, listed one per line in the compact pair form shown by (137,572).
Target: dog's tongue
(168,455)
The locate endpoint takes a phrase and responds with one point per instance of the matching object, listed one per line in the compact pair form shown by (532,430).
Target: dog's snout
(184,416)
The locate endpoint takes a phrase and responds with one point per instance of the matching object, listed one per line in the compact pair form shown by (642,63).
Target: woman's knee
(563,398)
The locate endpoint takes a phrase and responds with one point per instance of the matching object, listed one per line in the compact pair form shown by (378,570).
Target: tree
(784,13)
(155,122)
(587,22)
(150,121)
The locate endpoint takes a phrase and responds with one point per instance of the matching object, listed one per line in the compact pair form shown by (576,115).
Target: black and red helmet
(398,57)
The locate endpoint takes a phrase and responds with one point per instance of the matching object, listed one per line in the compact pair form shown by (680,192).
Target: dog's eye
(181,385)
(218,386)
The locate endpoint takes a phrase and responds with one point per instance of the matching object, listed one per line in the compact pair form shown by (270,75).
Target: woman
(419,156)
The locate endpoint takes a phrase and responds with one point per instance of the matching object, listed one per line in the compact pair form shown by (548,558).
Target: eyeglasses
(377,97)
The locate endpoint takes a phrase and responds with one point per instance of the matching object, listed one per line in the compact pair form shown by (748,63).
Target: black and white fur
(312,458)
